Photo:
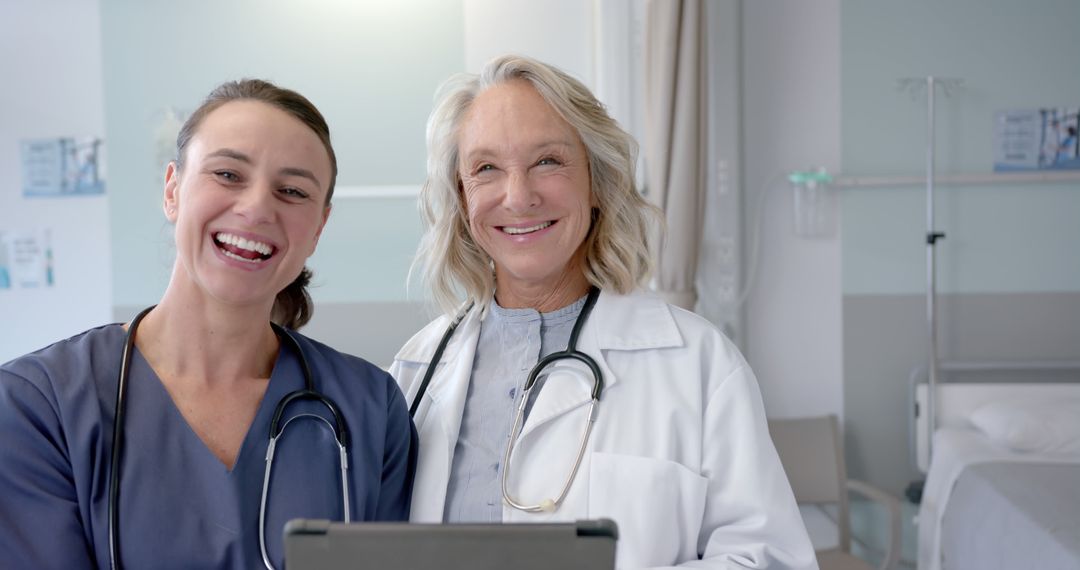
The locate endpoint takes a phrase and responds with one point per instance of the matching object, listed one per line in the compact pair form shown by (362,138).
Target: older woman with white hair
(554,388)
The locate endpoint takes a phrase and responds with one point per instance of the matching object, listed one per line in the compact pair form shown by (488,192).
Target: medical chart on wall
(1037,139)
(26,259)
(63,166)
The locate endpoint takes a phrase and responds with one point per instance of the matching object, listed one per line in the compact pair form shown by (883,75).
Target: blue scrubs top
(179,506)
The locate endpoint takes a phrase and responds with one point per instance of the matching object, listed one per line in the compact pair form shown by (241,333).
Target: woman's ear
(172,191)
(322,225)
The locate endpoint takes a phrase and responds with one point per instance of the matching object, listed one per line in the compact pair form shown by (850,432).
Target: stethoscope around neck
(308,393)
(570,353)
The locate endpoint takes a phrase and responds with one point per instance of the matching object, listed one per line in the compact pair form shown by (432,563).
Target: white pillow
(1043,426)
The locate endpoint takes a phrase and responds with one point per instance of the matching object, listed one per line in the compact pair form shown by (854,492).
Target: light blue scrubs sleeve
(40,522)
(399,463)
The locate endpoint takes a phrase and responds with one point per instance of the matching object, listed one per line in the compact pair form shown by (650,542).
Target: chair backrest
(813,460)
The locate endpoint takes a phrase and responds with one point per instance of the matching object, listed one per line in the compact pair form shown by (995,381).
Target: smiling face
(248,202)
(525,181)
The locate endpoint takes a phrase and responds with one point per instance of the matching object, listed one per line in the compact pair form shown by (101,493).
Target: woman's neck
(188,337)
(545,298)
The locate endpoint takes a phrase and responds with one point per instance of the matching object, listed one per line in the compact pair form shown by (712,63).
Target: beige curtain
(675,139)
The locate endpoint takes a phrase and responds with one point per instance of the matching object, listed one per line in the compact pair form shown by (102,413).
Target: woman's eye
(294,192)
(548,161)
(227,175)
(485,168)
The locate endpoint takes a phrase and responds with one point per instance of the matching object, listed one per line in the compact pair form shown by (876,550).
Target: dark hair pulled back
(293,306)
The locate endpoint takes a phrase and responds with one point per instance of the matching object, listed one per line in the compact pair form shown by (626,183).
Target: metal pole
(931,277)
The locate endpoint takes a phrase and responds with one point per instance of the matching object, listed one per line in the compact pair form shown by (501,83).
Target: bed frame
(955,399)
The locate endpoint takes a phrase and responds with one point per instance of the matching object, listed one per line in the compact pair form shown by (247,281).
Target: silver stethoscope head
(278,428)
(546,505)
(571,352)
(550,505)
(343,456)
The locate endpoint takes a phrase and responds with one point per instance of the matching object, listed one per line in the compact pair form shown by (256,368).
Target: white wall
(371,68)
(791,121)
(51,72)
(791,102)
(559,32)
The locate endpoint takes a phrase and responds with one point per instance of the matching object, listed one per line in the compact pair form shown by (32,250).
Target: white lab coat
(680,456)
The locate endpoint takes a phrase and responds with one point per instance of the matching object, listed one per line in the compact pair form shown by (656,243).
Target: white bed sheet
(955,449)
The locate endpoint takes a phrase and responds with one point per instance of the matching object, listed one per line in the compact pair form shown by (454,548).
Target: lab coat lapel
(639,321)
(569,383)
(438,430)
(568,386)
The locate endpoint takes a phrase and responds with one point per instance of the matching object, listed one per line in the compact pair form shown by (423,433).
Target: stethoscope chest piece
(571,353)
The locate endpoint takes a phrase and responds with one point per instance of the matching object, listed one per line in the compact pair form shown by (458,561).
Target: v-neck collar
(286,377)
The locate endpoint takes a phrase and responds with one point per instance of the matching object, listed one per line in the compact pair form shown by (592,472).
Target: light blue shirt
(511,342)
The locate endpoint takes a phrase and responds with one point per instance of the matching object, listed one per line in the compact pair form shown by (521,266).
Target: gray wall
(1009,274)
(372,69)
(791,109)
(885,340)
(374,330)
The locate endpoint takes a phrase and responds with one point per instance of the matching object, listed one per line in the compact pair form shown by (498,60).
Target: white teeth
(250,245)
(528,230)
(232,255)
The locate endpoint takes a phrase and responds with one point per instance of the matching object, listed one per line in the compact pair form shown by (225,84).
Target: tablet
(322,545)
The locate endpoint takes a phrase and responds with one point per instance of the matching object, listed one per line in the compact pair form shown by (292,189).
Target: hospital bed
(1002,460)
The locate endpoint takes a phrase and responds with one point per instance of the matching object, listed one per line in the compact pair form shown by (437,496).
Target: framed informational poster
(1037,139)
(26,259)
(63,166)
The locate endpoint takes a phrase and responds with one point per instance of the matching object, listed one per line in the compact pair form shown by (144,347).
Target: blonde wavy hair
(451,263)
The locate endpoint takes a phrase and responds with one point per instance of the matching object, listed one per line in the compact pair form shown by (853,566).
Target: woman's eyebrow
(301,172)
(483,151)
(287,171)
(230,153)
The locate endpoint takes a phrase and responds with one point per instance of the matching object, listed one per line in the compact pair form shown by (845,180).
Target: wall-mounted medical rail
(1009,366)
(995,178)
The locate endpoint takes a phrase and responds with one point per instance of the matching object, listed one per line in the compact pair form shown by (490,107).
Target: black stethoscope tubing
(570,352)
(308,393)
(435,359)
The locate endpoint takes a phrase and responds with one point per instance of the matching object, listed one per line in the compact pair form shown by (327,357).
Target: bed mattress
(1013,515)
(1006,491)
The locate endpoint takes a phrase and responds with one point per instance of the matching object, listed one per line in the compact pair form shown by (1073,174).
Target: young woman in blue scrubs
(249,194)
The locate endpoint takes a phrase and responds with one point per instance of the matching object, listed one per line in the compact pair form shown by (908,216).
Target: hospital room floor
(869,532)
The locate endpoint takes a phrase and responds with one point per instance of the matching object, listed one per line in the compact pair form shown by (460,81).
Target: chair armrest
(892,552)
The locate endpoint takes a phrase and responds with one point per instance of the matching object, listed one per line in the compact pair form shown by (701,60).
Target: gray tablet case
(324,545)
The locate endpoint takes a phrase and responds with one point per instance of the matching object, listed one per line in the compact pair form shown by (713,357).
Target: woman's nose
(520,195)
(256,203)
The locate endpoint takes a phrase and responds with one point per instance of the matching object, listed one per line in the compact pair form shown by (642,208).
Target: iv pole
(932,237)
